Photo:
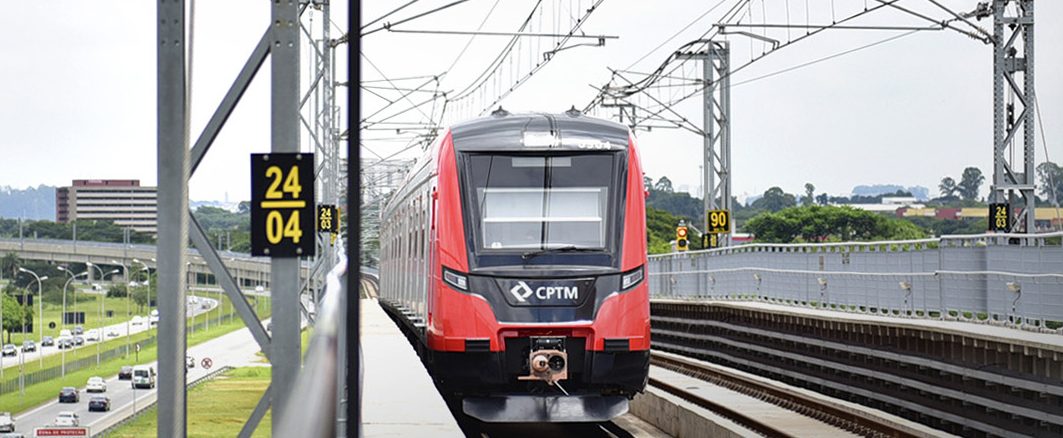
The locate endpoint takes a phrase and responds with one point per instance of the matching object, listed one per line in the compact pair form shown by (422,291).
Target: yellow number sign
(719,222)
(282,202)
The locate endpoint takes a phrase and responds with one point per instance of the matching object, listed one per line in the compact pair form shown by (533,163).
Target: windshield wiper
(570,248)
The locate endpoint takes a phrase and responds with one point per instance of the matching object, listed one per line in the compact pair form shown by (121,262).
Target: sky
(79,94)
(79,100)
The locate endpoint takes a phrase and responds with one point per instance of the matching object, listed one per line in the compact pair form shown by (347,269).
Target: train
(514,252)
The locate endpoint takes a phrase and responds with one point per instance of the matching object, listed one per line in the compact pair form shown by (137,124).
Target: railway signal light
(682,242)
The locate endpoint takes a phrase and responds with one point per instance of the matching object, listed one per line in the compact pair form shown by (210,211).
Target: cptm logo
(544,293)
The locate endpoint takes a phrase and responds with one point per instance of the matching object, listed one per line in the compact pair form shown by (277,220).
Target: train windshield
(542,204)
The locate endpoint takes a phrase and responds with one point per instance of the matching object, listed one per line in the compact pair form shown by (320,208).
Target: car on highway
(96,384)
(112,333)
(68,419)
(92,335)
(153,319)
(7,422)
(126,373)
(143,377)
(190,362)
(69,394)
(28,345)
(47,341)
(9,350)
(79,330)
(78,340)
(99,403)
(64,343)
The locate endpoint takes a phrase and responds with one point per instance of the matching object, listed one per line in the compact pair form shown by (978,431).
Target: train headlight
(455,279)
(631,278)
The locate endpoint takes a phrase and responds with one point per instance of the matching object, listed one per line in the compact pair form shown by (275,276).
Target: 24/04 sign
(282,204)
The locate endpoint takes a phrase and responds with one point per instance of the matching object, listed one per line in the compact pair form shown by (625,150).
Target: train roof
(538,131)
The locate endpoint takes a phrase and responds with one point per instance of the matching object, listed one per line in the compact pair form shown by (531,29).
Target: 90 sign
(282,205)
(719,222)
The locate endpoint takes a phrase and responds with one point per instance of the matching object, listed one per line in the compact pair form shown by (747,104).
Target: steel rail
(791,400)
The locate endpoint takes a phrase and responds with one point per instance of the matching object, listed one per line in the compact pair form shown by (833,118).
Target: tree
(244,207)
(810,194)
(1051,176)
(816,223)
(118,290)
(948,187)
(775,199)
(9,263)
(822,199)
(647,182)
(970,182)
(14,314)
(663,185)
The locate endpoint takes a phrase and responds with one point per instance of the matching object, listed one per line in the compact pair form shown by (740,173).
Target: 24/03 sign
(282,204)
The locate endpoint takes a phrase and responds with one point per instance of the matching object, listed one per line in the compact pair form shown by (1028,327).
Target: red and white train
(515,250)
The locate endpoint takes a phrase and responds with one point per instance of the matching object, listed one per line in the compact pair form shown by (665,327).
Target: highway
(10,363)
(233,349)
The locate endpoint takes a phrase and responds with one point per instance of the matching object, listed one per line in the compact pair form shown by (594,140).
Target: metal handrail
(311,410)
(757,247)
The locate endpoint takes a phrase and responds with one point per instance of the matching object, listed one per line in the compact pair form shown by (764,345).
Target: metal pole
(284,276)
(173,171)
(128,297)
(350,300)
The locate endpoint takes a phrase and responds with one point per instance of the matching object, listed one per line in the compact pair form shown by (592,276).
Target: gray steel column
(173,166)
(284,276)
(716,163)
(1009,58)
(723,53)
(1028,121)
(708,166)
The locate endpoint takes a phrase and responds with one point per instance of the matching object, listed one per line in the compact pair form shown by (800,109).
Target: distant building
(890,204)
(122,201)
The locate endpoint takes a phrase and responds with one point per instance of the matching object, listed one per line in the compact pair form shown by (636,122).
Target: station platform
(982,330)
(398,396)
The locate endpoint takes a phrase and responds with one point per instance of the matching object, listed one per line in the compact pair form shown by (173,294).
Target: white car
(153,319)
(7,422)
(96,384)
(92,335)
(67,418)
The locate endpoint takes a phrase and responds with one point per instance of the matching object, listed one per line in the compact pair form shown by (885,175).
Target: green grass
(217,408)
(88,303)
(42,392)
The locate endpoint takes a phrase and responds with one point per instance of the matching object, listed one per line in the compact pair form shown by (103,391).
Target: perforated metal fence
(1006,278)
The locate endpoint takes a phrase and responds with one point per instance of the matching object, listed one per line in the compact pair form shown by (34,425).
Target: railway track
(798,402)
(957,384)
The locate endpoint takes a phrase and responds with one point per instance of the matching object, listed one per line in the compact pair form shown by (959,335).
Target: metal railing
(1014,279)
(317,393)
(11,384)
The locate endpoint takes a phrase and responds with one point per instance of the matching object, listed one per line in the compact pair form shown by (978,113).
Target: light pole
(147,285)
(40,312)
(128,297)
(63,317)
(99,331)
